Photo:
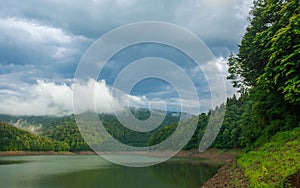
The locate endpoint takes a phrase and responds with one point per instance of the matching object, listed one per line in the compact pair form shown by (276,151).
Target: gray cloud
(214,20)
(44,40)
(36,43)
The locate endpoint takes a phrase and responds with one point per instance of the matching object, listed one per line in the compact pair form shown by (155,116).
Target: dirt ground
(229,175)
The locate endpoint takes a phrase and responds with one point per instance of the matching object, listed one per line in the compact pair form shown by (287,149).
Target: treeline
(62,133)
(230,135)
(63,136)
(130,137)
(16,139)
(66,131)
(249,121)
(58,134)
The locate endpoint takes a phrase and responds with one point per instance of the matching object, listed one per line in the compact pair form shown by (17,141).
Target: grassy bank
(273,163)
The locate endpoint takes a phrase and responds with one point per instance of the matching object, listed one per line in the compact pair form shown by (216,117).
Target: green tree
(267,70)
(282,71)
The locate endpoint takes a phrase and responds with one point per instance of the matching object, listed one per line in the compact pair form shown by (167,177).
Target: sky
(42,43)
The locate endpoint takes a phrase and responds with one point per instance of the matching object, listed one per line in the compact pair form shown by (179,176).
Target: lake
(93,171)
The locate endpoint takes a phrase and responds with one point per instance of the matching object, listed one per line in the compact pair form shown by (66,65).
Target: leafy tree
(266,69)
(282,71)
(15,139)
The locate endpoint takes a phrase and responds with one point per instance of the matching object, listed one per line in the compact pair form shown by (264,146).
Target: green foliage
(254,53)
(271,164)
(15,139)
(230,131)
(66,135)
(199,132)
(165,132)
(130,137)
(283,67)
(162,134)
(266,69)
(249,121)
(269,52)
(235,71)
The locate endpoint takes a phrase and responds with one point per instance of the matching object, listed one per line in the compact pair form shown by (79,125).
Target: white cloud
(223,68)
(62,52)
(41,98)
(49,98)
(93,95)
(28,30)
(221,65)
(243,9)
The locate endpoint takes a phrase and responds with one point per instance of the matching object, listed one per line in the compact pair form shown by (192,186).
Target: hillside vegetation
(272,163)
(15,139)
(62,133)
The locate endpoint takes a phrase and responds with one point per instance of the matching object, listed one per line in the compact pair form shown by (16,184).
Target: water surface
(93,171)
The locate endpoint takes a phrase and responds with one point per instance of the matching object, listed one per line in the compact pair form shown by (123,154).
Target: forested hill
(62,134)
(15,139)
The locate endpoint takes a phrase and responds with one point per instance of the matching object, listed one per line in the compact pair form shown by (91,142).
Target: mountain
(30,123)
(64,133)
(16,139)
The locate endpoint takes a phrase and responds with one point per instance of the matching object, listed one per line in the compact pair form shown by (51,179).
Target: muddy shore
(212,154)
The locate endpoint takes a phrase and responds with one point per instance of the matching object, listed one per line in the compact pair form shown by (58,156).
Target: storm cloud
(42,42)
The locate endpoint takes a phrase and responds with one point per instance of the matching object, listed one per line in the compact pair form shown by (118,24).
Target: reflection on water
(9,162)
(92,171)
(188,173)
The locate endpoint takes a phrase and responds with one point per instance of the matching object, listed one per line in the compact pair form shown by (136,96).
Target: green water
(93,171)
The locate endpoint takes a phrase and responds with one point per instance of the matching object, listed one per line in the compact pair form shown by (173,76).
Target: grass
(272,163)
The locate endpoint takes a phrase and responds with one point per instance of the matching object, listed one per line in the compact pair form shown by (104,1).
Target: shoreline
(213,154)
(210,156)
